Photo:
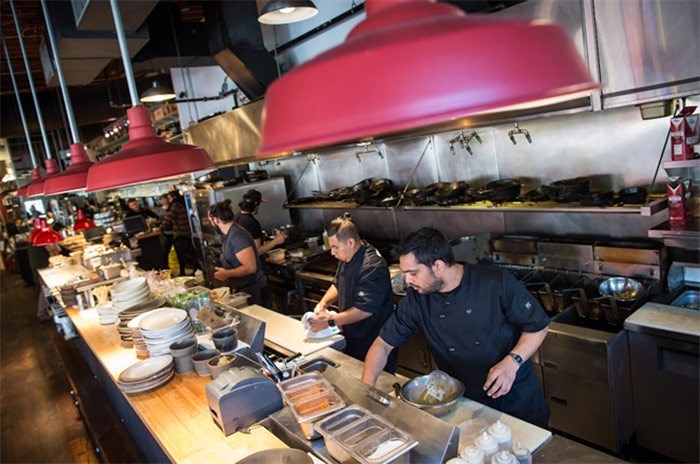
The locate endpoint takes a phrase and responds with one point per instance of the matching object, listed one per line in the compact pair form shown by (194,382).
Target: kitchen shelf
(165,120)
(516,207)
(684,236)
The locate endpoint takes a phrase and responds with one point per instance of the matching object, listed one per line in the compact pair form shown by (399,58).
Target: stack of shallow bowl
(163,327)
(139,343)
(146,375)
(130,293)
(107,313)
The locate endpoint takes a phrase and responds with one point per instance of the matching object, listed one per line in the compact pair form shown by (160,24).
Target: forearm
(350,316)
(265,247)
(375,361)
(330,295)
(528,343)
(240,271)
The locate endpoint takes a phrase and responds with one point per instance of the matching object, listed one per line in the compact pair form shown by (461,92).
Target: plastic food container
(356,434)
(310,398)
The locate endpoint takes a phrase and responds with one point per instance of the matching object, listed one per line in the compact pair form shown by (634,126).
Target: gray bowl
(201,359)
(621,289)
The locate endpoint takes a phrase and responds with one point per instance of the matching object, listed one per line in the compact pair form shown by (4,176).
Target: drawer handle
(551,365)
(558,400)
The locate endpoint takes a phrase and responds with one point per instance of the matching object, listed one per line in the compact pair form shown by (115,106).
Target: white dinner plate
(163,320)
(144,369)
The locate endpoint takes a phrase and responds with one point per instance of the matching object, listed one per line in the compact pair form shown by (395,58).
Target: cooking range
(584,362)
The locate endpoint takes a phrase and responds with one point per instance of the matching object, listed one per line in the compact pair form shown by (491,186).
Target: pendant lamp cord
(28,68)
(23,118)
(413,173)
(311,158)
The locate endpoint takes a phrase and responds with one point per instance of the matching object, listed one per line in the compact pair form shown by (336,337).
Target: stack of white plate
(107,313)
(127,315)
(163,327)
(146,375)
(130,293)
(138,341)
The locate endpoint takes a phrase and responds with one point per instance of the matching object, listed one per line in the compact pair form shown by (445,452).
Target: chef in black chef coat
(482,326)
(362,287)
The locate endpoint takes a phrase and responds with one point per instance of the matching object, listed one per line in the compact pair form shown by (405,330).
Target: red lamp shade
(36,188)
(146,157)
(37,230)
(83,223)
(418,64)
(36,177)
(22,191)
(47,237)
(75,177)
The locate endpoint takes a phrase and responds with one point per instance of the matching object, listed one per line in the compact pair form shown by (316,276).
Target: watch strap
(516,358)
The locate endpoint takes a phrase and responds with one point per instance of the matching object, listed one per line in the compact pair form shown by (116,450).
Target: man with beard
(482,326)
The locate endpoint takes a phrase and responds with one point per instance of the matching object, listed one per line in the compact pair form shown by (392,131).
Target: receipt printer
(240,397)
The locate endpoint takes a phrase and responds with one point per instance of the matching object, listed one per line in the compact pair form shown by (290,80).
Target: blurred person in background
(134,208)
(178,222)
(249,206)
(166,231)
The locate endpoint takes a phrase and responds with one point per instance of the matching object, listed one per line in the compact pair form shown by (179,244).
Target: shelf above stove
(513,207)
(683,236)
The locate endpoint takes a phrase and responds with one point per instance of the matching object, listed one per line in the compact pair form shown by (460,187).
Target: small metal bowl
(621,289)
(412,390)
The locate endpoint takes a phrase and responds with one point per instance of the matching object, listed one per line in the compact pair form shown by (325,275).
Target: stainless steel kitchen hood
(230,138)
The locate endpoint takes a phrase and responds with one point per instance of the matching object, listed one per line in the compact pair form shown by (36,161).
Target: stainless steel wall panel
(292,168)
(568,225)
(402,157)
(478,169)
(453,224)
(342,168)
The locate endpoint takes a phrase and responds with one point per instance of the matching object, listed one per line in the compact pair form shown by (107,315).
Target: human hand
(500,378)
(320,307)
(319,321)
(280,237)
(219,273)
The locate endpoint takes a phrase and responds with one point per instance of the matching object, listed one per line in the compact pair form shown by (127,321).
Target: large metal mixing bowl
(412,390)
(621,288)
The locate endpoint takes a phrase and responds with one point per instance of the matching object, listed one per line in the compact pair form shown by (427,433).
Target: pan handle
(397,390)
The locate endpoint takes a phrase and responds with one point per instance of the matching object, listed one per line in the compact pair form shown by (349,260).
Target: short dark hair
(427,245)
(222,211)
(343,227)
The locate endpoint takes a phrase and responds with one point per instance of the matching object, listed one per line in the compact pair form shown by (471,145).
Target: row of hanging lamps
(83,223)
(36,175)
(36,187)
(421,64)
(74,178)
(287,11)
(146,157)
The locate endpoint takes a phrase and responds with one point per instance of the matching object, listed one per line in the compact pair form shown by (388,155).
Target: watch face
(518,359)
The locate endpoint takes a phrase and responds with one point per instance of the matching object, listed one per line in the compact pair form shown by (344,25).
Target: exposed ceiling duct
(236,42)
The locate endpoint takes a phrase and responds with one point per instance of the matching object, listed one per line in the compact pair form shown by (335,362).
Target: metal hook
(366,149)
(464,142)
(517,130)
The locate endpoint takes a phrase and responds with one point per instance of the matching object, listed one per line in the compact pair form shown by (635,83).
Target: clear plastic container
(469,430)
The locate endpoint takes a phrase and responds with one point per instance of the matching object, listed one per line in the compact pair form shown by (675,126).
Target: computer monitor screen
(134,224)
(94,234)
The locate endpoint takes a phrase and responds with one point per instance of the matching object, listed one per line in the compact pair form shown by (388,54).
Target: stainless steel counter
(559,449)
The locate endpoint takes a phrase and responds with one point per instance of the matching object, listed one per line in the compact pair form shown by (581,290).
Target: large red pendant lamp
(35,232)
(146,157)
(47,236)
(36,174)
(417,64)
(35,188)
(83,223)
(75,177)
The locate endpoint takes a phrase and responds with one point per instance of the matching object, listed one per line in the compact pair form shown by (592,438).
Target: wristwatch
(331,322)
(516,358)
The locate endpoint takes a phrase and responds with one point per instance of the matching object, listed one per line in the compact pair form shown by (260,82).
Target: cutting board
(288,333)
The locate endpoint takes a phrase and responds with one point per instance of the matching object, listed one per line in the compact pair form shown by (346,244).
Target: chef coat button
(452,349)
(477,343)
(442,316)
(469,311)
(447,303)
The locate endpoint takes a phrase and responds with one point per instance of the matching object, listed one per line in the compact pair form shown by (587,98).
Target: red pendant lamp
(36,177)
(83,223)
(146,157)
(415,64)
(47,236)
(35,232)
(35,188)
(74,178)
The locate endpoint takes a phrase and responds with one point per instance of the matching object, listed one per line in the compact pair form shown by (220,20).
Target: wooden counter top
(176,413)
(59,276)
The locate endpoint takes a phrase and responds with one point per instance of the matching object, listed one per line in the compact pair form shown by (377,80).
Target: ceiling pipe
(75,177)
(22,191)
(146,157)
(35,188)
